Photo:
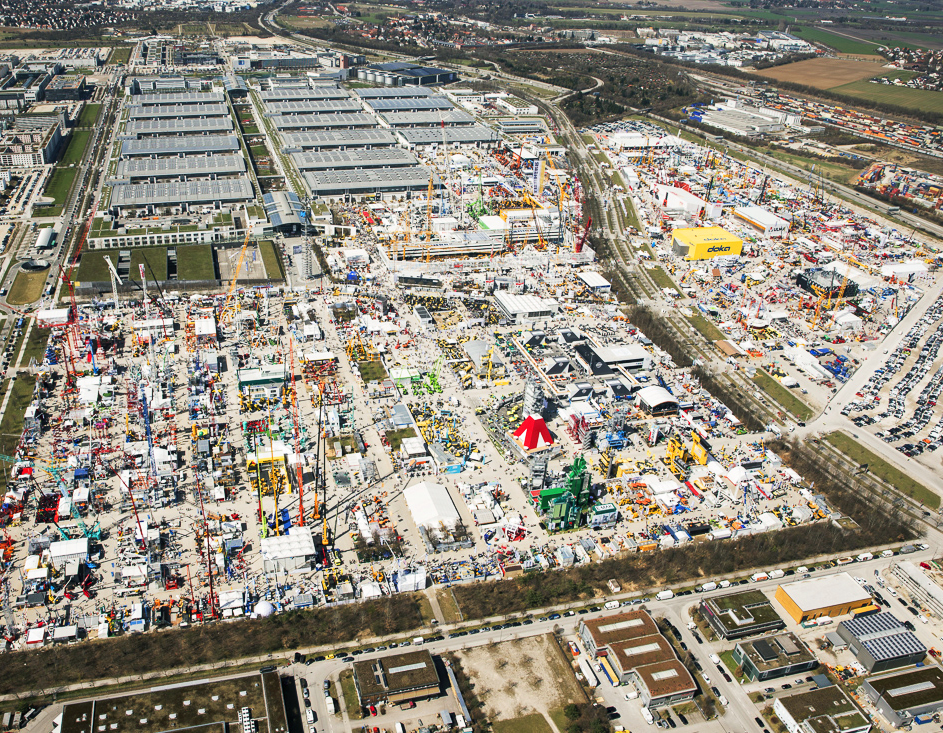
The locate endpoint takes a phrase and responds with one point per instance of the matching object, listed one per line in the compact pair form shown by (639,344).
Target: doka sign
(718,249)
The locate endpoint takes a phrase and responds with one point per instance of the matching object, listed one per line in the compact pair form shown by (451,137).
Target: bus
(866,611)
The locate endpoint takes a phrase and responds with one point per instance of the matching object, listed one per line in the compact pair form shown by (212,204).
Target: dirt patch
(823,73)
(521,677)
(896,155)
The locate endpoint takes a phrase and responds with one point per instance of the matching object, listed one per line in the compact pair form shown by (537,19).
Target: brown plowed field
(823,73)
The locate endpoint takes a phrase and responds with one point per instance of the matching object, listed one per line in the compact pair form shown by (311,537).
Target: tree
(571,711)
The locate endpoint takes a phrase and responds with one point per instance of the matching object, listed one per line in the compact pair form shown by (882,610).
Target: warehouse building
(202,166)
(337,140)
(174,98)
(191,125)
(313,107)
(179,195)
(157,111)
(182,145)
(404,73)
(477,136)
(703,243)
(773,657)
(902,696)
(394,93)
(520,309)
(288,94)
(921,588)
(739,615)
(340,121)
(409,104)
(342,159)
(396,679)
(881,642)
(380,182)
(834,595)
(767,223)
(288,553)
(656,401)
(826,710)
(447,117)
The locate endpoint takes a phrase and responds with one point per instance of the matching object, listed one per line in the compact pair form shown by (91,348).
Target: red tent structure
(533,434)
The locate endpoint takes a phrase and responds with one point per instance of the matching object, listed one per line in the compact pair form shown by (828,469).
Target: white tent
(431,505)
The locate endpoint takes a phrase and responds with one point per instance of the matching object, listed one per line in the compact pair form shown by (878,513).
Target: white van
(418,641)
(647,714)
(400,728)
(612,605)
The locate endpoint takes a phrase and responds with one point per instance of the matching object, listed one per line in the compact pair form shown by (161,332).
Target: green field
(782,394)
(35,346)
(884,470)
(533,723)
(839,43)
(92,267)
(271,260)
(27,287)
(195,262)
(919,99)
(120,55)
(89,115)
(58,187)
(661,278)
(76,149)
(704,327)
(11,427)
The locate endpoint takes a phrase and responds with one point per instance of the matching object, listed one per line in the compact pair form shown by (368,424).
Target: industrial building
(337,140)
(174,126)
(835,595)
(921,588)
(288,94)
(313,106)
(632,650)
(902,696)
(173,98)
(881,642)
(825,710)
(65,89)
(372,182)
(766,222)
(656,401)
(340,121)
(703,243)
(477,136)
(404,73)
(394,93)
(341,159)
(199,166)
(409,104)
(773,657)
(739,615)
(436,119)
(520,309)
(157,111)
(181,145)
(396,679)
(180,194)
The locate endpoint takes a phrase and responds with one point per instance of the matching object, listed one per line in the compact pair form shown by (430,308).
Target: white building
(765,221)
(431,506)
(521,309)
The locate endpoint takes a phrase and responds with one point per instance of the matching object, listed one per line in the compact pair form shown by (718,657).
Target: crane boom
(228,312)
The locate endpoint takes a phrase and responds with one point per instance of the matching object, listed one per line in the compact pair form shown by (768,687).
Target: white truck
(776,573)
(647,714)
(708,586)
(610,605)
(665,595)
(330,704)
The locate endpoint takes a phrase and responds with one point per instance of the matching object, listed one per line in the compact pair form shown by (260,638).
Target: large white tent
(431,505)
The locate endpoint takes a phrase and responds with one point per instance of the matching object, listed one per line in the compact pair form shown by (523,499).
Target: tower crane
(115,280)
(229,311)
(297,427)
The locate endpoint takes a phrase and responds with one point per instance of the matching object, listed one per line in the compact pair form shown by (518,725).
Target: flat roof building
(283,209)
(394,92)
(597,634)
(881,642)
(519,309)
(664,683)
(826,710)
(833,595)
(396,679)
(459,136)
(625,656)
(738,615)
(176,126)
(766,222)
(130,169)
(773,657)
(154,112)
(902,696)
(920,587)
(409,104)
(175,98)
(703,243)
(337,139)
(368,181)
(287,94)
(447,117)
(313,106)
(220,191)
(330,160)
(340,121)
(181,145)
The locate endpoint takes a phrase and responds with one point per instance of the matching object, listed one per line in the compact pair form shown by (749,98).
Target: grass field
(92,267)
(76,149)
(919,99)
(533,723)
(58,187)
(781,394)
(396,436)
(11,427)
(704,327)
(27,287)
(35,346)
(350,695)
(824,73)
(884,470)
(89,115)
(839,43)
(271,260)
(195,262)
(372,371)
(661,278)
(120,55)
